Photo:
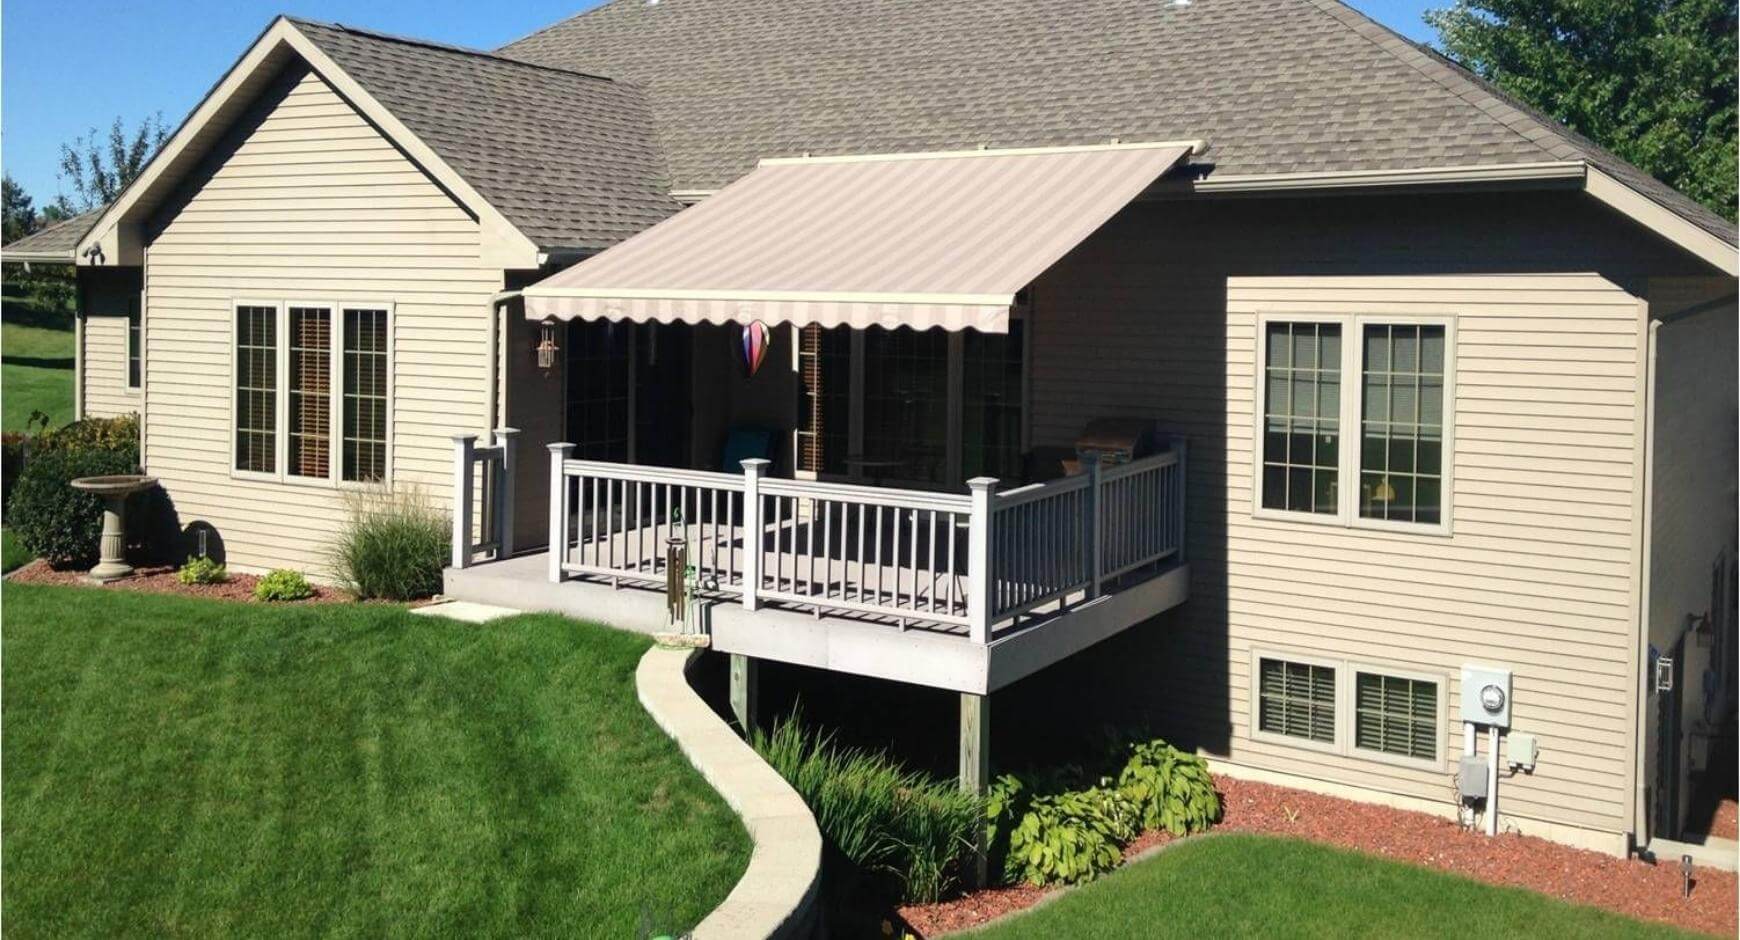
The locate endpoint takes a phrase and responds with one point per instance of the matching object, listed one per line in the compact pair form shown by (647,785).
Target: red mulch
(1725,822)
(161,580)
(1626,886)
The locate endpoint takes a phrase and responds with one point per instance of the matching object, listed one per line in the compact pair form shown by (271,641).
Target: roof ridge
(444,47)
(558,24)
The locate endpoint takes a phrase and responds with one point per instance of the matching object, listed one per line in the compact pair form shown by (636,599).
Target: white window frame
(335,413)
(1352,376)
(136,308)
(1347,671)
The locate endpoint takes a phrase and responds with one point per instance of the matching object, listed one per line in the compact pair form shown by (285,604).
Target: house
(1389,377)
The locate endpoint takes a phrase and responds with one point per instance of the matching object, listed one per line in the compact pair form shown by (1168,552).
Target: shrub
(914,829)
(282,584)
(1070,837)
(113,435)
(1171,789)
(54,521)
(393,546)
(202,570)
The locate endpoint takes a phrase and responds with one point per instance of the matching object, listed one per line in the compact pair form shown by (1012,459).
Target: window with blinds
(310,388)
(135,344)
(257,389)
(1302,417)
(1394,715)
(365,395)
(1296,700)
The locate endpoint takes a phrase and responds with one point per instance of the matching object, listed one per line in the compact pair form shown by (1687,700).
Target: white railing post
(1096,556)
(558,509)
(504,493)
(979,559)
(753,468)
(463,447)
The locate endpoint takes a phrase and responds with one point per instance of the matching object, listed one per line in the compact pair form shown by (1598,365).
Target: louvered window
(365,394)
(1296,700)
(1395,715)
(310,391)
(257,389)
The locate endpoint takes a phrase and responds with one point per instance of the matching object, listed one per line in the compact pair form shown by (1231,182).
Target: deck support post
(976,767)
(979,561)
(504,493)
(464,445)
(753,469)
(745,675)
(558,509)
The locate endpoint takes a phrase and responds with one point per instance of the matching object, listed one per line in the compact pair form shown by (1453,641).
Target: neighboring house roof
(1274,86)
(568,158)
(54,244)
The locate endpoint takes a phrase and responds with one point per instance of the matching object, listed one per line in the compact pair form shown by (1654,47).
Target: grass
(13,554)
(179,767)
(1248,885)
(36,362)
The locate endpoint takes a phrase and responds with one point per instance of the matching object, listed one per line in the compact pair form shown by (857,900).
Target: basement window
(1296,700)
(1396,715)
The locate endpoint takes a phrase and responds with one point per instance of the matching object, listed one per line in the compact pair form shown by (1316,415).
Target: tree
(1650,80)
(98,168)
(19,217)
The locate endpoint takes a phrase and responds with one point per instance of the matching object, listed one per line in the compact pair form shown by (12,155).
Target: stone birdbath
(113,490)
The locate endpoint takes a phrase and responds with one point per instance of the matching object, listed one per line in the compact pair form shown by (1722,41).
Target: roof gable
(53,243)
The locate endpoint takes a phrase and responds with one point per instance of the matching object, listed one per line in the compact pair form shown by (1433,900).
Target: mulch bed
(1725,823)
(1626,886)
(161,580)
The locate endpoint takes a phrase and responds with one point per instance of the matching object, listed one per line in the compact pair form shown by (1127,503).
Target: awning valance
(919,240)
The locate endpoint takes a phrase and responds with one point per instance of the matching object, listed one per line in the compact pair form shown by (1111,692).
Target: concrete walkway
(777,895)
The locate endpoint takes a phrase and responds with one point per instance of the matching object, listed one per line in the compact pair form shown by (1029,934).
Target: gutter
(1640,828)
(1566,170)
(496,352)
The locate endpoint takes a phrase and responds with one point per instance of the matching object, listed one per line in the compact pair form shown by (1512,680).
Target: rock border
(777,895)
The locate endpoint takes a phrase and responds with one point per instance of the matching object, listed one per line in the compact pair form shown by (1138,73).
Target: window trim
(1353,374)
(136,311)
(1347,670)
(335,414)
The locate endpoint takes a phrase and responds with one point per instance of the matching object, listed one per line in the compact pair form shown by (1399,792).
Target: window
(1347,707)
(304,381)
(1296,700)
(256,416)
(310,391)
(1402,423)
(600,388)
(135,344)
(1398,474)
(365,395)
(991,364)
(1302,417)
(1396,715)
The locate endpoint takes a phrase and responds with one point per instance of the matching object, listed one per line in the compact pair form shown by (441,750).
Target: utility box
(1522,750)
(1486,695)
(1471,777)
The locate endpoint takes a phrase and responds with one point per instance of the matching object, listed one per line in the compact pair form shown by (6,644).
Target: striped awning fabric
(920,240)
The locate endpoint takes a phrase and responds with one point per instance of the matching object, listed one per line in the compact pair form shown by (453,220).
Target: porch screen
(310,390)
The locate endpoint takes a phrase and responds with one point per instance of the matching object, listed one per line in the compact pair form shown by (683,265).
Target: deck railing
(901,556)
(483,484)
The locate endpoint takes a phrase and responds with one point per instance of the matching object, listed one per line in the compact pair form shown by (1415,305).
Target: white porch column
(558,509)
(753,468)
(979,559)
(463,447)
(504,493)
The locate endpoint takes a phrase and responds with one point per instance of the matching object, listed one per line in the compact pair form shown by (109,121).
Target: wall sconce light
(547,347)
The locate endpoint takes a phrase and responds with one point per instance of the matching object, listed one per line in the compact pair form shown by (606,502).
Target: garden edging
(777,895)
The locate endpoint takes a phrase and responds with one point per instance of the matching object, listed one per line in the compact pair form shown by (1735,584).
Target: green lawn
(12,552)
(179,767)
(36,363)
(1247,885)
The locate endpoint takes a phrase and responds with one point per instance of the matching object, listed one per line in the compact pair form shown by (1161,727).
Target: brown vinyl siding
(309,205)
(1157,315)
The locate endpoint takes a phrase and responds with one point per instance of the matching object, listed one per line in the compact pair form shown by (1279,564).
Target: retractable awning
(919,240)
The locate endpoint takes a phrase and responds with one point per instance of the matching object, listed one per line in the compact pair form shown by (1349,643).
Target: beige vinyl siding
(309,203)
(103,358)
(1157,317)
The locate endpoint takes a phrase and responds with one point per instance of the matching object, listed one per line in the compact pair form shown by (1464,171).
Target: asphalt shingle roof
(1274,86)
(60,239)
(567,157)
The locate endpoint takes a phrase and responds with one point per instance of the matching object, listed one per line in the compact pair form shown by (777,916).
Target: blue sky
(70,65)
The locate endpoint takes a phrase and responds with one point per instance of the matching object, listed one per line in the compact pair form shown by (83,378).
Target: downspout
(1640,830)
(496,349)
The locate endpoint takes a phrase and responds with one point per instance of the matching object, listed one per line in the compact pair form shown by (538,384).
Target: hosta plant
(1171,789)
